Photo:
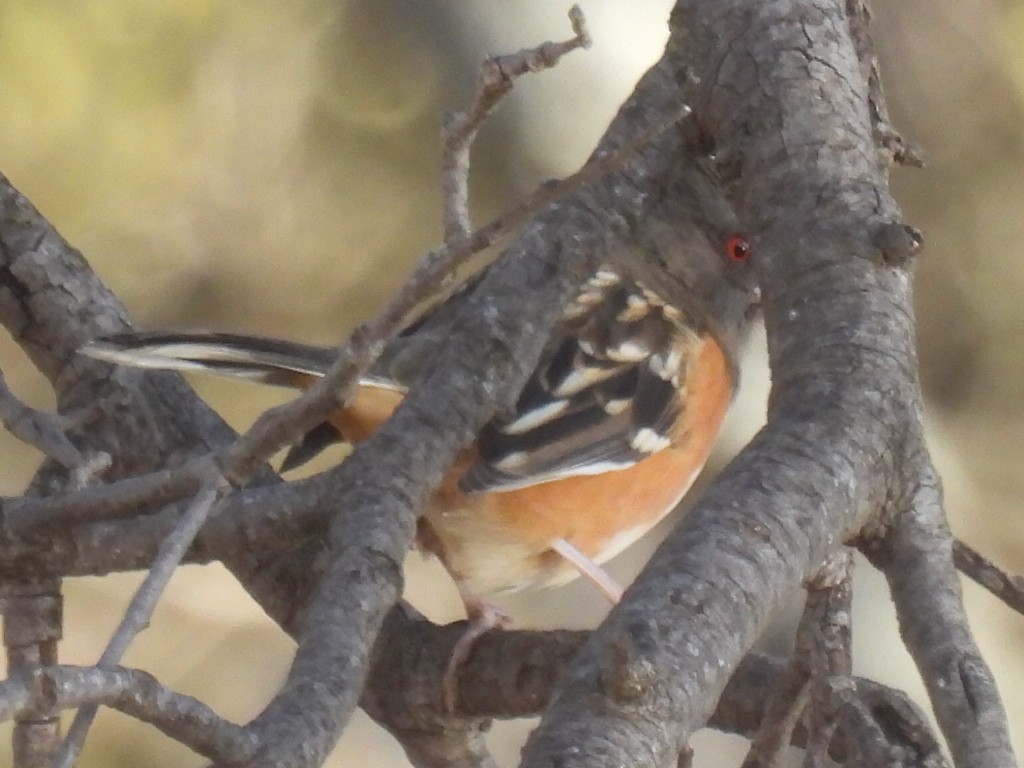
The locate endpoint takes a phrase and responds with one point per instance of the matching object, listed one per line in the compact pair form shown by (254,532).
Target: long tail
(260,360)
(253,358)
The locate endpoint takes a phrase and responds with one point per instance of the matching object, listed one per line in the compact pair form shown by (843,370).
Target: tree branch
(1008,587)
(495,79)
(805,686)
(490,347)
(915,554)
(141,608)
(778,89)
(139,694)
(33,621)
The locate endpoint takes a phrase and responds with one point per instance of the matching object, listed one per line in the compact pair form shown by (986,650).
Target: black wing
(605,395)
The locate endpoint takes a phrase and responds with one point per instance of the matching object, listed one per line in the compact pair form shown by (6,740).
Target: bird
(606,437)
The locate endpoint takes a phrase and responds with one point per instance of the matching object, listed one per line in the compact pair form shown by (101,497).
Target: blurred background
(272,167)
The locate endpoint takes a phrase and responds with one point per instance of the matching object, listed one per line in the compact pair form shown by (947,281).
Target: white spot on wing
(629,351)
(580,379)
(534,418)
(617,406)
(636,308)
(647,440)
(590,298)
(604,278)
(653,298)
(666,365)
(573,311)
(511,461)
(595,468)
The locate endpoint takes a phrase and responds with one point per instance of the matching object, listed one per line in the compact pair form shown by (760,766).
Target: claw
(483,617)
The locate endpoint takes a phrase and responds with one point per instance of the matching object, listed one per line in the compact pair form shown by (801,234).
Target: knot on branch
(898,243)
(888,721)
(627,672)
(45,691)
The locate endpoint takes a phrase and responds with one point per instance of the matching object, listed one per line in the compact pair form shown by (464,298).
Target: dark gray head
(695,256)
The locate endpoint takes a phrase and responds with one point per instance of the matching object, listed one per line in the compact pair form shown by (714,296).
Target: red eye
(737,248)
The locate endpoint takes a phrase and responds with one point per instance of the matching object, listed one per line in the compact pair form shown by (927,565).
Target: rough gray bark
(780,86)
(785,92)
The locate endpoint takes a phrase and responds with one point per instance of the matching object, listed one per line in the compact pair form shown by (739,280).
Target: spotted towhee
(606,437)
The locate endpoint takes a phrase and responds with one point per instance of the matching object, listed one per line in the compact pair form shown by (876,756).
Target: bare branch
(185,719)
(140,610)
(812,175)
(898,149)
(1008,587)
(32,623)
(821,653)
(488,352)
(876,726)
(46,432)
(786,706)
(839,327)
(495,79)
(915,553)
(124,498)
(511,674)
(516,673)
(411,657)
(792,696)
(880,728)
(824,640)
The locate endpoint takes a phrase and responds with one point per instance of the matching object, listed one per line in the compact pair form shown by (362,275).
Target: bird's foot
(483,617)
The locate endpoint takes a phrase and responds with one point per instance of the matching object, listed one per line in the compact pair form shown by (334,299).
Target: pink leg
(590,570)
(483,617)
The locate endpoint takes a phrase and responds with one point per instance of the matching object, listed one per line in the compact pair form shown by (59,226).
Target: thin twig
(125,498)
(284,424)
(32,628)
(881,727)
(1008,587)
(915,554)
(896,148)
(516,673)
(785,706)
(828,647)
(187,720)
(495,79)
(37,428)
(818,638)
(140,610)
(46,431)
